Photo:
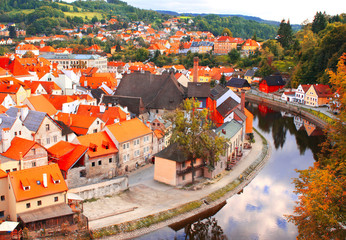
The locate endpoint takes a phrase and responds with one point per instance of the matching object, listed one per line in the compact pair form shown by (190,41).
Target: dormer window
(25,184)
(55,179)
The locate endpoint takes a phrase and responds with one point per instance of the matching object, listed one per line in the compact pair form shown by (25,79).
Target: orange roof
(3,174)
(3,109)
(11,85)
(159,134)
(19,148)
(322,91)
(99,144)
(47,49)
(2,71)
(26,47)
(78,123)
(15,66)
(108,116)
(128,130)
(58,100)
(41,104)
(66,154)
(33,178)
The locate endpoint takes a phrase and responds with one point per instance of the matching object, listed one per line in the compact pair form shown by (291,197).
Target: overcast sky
(296,10)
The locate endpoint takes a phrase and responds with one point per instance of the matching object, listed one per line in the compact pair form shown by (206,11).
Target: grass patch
(320,115)
(221,192)
(90,15)
(90,200)
(146,221)
(264,140)
(69,6)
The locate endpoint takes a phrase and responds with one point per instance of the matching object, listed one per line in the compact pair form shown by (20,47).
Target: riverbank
(156,205)
(321,119)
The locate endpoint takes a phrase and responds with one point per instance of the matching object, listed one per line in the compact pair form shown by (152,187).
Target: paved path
(147,196)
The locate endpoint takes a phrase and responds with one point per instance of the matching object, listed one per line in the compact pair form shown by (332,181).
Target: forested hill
(31,14)
(295,27)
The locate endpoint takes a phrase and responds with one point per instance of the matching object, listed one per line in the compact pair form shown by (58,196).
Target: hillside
(46,17)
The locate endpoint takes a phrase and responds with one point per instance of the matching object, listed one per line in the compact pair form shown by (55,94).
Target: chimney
(242,100)
(45,182)
(24,113)
(195,69)
(102,108)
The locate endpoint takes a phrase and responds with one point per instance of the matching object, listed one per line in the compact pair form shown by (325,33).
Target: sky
(295,10)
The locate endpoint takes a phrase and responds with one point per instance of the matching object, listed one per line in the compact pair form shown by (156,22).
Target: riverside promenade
(147,197)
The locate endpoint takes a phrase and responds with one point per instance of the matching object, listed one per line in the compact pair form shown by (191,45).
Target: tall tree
(12,31)
(226,32)
(285,34)
(320,212)
(192,132)
(319,23)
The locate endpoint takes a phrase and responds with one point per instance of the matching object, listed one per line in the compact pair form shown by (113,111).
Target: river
(258,213)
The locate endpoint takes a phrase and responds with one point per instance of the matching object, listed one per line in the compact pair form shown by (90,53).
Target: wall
(101,189)
(165,171)
(42,134)
(4,192)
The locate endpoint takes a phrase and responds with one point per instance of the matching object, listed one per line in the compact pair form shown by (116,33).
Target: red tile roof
(103,143)
(128,130)
(19,148)
(323,91)
(66,154)
(41,104)
(33,178)
(3,174)
(78,123)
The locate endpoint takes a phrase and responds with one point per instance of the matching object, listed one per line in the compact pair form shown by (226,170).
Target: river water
(258,213)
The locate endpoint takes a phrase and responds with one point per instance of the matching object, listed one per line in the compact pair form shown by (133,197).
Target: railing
(189,169)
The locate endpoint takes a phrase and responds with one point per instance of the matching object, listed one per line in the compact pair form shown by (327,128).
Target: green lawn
(70,6)
(90,15)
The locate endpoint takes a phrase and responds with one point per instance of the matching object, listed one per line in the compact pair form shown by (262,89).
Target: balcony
(189,169)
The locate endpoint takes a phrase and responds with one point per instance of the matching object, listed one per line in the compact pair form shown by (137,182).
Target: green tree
(12,31)
(234,56)
(226,32)
(3,51)
(192,133)
(285,34)
(94,20)
(223,80)
(319,23)
(142,54)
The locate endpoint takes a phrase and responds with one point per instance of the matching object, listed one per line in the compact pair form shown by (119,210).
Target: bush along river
(259,212)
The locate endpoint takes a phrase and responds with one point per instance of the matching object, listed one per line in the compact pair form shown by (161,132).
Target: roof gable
(33,178)
(128,130)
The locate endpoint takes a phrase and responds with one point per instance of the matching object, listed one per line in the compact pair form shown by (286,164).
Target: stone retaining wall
(103,188)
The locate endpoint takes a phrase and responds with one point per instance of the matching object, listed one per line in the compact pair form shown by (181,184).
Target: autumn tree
(28,54)
(223,80)
(192,131)
(226,32)
(320,211)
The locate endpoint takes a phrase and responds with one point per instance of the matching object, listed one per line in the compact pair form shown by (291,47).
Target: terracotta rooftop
(128,130)
(32,180)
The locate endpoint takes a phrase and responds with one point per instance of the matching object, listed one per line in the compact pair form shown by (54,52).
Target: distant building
(67,61)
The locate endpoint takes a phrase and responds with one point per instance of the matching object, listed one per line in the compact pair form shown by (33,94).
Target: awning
(73,196)
(8,226)
(53,211)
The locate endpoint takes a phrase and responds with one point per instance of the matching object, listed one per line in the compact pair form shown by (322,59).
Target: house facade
(318,95)
(133,140)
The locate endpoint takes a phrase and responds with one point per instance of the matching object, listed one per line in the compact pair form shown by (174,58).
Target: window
(33,164)
(15,133)
(82,173)
(100,162)
(2,197)
(2,213)
(93,164)
(56,199)
(55,138)
(127,145)
(20,132)
(124,146)
(124,158)
(95,131)
(8,170)
(14,169)
(39,203)
(28,205)
(136,153)
(47,127)
(183,177)
(48,140)
(183,165)
(110,160)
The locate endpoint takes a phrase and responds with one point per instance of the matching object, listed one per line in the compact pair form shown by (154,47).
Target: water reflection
(258,213)
(307,134)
